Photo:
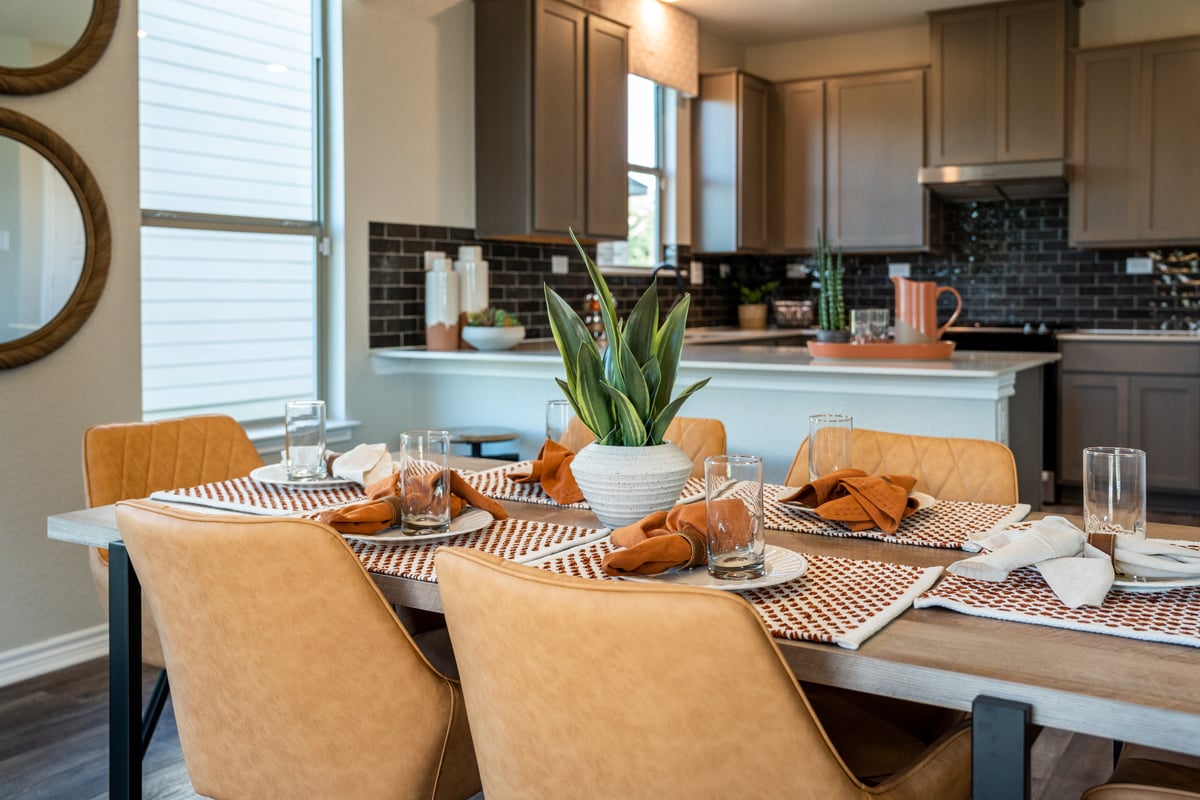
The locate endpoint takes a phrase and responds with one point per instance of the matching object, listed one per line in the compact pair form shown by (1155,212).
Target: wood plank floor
(54,745)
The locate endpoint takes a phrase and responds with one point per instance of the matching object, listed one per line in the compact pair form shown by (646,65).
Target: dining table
(1012,675)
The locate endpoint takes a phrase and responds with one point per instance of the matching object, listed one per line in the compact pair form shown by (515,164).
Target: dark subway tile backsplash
(1010,260)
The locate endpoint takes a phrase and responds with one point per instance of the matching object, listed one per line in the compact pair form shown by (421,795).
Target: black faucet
(668,265)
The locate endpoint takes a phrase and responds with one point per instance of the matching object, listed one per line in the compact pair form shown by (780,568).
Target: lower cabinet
(1141,395)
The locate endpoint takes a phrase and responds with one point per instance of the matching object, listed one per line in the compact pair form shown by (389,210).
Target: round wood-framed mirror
(36,218)
(70,65)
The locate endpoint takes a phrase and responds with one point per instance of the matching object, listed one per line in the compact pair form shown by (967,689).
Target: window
(645,172)
(231,207)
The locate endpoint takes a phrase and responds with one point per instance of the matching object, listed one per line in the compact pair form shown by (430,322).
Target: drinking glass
(878,323)
(1114,490)
(736,541)
(304,440)
(558,415)
(425,481)
(829,437)
(860,325)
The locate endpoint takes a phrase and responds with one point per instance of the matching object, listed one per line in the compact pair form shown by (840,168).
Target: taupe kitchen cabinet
(874,129)
(998,82)
(844,153)
(550,121)
(1133,394)
(730,166)
(1135,160)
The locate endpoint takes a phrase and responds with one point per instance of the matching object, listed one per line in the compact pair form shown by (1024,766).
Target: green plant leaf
(569,332)
(642,324)
(653,375)
(668,346)
(663,420)
(633,431)
(633,382)
(590,394)
(608,309)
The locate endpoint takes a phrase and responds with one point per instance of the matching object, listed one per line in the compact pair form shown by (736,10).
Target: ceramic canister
(441,306)
(472,273)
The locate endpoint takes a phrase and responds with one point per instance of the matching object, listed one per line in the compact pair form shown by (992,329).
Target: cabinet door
(1104,203)
(962,103)
(607,129)
(559,114)
(875,126)
(1170,136)
(1165,413)
(1031,91)
(1094,411)
(752,163)
(801,164)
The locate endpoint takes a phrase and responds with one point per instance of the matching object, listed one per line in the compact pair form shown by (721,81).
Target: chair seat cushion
(1143,773)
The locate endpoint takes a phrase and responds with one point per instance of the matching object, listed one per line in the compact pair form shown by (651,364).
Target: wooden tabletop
(1103,685)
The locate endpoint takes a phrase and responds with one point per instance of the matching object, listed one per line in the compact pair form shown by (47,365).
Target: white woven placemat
(252,497)
(838,600)
(948,524)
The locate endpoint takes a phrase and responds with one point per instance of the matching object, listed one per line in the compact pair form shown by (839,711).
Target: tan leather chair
(291,675)
(699,437)
(949,469)
(584,688)
(1144,773)
(126,461)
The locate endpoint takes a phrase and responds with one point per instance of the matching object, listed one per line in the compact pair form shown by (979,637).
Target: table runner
(839,600)
(254,497)
(519,540)
(1171,616)
(496,484)
(948,524)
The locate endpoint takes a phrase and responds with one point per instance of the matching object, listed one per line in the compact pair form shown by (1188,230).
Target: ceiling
(752,22)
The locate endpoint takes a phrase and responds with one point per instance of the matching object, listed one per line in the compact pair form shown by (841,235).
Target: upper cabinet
(844,157)
(998,82)
(730,167)
(550,122)
(1135,160)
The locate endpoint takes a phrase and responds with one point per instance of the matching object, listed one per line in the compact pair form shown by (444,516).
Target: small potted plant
(753,285)
(623,396)
(831,305)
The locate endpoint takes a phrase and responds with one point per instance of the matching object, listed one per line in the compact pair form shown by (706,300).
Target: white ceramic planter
(624,484)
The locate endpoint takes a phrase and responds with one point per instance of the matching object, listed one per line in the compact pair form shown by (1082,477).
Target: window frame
(659,172)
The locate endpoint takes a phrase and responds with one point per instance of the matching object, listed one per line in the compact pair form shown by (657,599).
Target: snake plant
(831,307)
(622,395)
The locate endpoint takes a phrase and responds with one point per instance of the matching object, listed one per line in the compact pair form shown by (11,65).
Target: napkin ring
(695,540)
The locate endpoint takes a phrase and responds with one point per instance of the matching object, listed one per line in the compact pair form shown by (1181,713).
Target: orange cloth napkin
(858,500)
(666,539)
(385,506)
(552,468)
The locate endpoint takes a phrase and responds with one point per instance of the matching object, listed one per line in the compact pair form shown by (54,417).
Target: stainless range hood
(1011,180)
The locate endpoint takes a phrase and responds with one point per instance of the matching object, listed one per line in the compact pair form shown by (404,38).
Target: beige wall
(893,48)
(1105,22)
(45,588)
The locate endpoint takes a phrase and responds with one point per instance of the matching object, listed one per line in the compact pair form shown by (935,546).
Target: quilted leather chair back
(580,688)
(290,674)
(698,437)
(132,460)
(949,469)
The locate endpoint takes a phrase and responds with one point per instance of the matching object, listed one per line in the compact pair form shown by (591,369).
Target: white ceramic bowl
(482,337)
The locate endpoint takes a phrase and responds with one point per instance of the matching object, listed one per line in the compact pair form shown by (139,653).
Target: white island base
(763,393)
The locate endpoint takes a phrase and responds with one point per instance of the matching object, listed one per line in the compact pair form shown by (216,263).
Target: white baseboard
(60,652)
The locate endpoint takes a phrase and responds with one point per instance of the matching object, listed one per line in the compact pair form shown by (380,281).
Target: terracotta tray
(923,352)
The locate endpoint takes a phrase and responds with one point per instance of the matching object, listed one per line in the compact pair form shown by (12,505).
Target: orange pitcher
(916,310)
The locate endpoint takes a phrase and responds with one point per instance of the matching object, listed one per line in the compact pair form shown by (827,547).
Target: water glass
(425,481)
(304,440)
(860,325)
(558,415)
(878,324)
(736,540)
(829,439)
(1114,490)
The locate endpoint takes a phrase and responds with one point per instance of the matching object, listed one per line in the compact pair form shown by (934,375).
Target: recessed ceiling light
(278,69)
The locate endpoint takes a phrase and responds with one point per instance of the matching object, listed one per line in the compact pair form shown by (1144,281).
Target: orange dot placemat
(1171,616)
(841,601)
(948,524)
(254,497)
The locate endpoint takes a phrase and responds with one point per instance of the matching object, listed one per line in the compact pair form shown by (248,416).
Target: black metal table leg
(124,677)
(999,749)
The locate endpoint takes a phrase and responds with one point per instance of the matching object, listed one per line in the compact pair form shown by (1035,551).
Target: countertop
(1113,335)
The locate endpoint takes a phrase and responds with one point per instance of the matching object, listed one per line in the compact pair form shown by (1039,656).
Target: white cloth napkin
(1078,573)
(365,464)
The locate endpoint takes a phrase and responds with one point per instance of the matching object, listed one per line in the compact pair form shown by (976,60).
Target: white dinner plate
(468,521)
(924,501)
(1126,583)
(277,474)
(782,565)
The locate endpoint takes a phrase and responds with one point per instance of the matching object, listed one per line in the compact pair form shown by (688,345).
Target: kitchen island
(763,393)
